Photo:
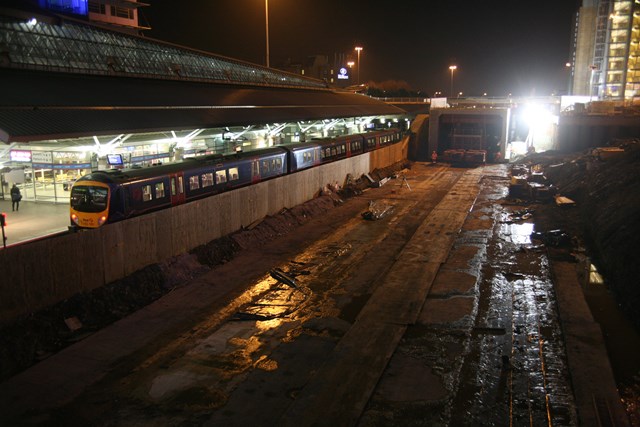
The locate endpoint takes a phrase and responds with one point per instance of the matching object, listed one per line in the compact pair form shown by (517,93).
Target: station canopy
(66,78)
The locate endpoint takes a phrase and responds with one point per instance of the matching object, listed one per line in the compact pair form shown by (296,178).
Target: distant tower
(606,50)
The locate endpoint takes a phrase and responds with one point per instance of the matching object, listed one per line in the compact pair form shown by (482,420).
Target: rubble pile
(606,191)
(528,182)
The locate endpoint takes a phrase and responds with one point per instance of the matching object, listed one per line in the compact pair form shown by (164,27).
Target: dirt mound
(608,201)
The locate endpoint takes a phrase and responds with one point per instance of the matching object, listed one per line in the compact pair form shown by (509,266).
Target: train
(106,196)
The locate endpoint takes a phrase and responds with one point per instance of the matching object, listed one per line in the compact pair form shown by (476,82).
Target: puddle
(515,372)
(519,234)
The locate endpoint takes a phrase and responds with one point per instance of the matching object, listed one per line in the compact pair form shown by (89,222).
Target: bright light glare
(536,116)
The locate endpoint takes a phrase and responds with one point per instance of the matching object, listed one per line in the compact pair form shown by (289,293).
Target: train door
(177,188)
(255,170)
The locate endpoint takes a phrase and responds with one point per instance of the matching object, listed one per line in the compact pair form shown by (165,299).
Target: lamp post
(358,49)
(266,18)
(452,68)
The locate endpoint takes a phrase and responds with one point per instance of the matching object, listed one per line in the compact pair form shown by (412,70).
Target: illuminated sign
(20,155)
(41,157)
(77,7)
(115,159)
(342,74)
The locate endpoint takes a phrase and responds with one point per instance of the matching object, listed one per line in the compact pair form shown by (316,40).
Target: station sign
(41,157)
(20,156)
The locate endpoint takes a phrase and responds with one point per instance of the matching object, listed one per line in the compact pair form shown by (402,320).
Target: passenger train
(107,196)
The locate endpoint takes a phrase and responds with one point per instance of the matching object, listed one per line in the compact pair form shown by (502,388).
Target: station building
(79,96)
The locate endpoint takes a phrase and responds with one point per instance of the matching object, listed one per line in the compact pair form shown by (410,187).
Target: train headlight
(102,220)
(74,218)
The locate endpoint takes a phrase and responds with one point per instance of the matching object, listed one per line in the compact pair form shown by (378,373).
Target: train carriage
(378,139)
(303,155)
(112,195)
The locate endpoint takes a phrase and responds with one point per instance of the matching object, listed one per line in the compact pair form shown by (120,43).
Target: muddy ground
(604,219)
(32,338)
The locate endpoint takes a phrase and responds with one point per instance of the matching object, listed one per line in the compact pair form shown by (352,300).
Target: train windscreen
(89,199)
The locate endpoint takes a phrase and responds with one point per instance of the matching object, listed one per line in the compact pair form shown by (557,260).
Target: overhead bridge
(65,78)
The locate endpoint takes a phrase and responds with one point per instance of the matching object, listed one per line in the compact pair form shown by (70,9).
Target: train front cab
(89,204)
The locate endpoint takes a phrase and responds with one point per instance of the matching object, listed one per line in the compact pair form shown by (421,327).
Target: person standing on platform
(15,198)
(434,157)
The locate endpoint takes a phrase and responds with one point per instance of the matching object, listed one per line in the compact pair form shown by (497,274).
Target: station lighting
(358,49)
(266,18)
(452,68)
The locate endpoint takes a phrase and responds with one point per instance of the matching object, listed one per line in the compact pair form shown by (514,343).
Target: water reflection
(517,233)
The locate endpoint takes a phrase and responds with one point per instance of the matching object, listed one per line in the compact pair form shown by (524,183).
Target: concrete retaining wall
(42,273)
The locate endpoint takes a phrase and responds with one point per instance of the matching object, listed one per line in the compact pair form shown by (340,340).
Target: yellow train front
(89,202)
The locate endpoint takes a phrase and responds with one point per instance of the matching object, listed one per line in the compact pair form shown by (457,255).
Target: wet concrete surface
(443,312)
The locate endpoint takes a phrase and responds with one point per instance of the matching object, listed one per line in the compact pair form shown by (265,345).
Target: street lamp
(452,68)
(266,18)
(358,49)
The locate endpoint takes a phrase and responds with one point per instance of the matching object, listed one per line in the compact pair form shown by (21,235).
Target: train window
(265,166)
(89,199)
(180,185)
(333,151)
(146,193)
(255,168)
(221,177)
(173,186)
(194,183)
(233,174)
(207,179)
(159,190)
(279,164)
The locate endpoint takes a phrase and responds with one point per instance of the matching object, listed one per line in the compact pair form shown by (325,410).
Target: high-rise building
(606,50)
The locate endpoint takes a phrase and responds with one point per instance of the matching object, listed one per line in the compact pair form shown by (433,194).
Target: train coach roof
(135,173)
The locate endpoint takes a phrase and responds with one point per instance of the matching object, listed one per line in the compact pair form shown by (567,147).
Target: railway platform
(34,220)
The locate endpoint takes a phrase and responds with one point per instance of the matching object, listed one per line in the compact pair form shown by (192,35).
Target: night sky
(499,46)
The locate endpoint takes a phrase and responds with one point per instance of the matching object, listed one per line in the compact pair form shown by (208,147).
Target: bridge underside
(42,105)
